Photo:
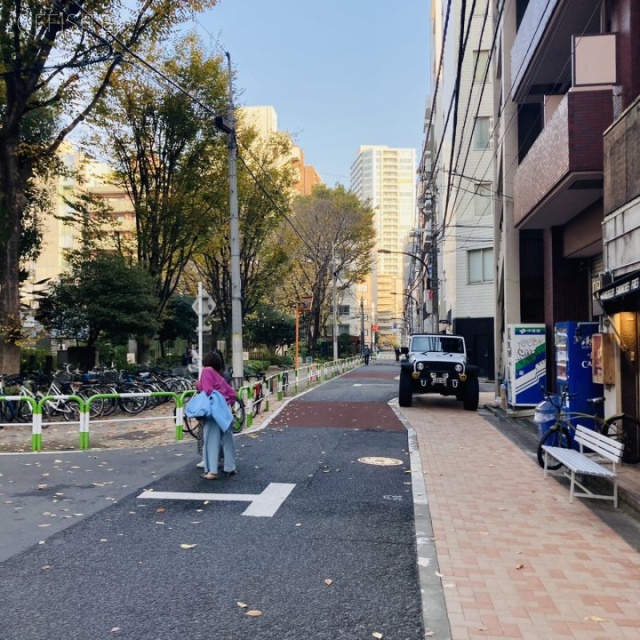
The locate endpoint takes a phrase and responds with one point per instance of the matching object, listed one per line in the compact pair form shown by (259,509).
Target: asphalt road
(316,532)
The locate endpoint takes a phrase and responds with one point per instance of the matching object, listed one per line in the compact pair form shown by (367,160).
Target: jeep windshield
(442,344)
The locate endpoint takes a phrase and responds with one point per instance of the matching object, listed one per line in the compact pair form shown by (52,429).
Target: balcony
(562,173)
(621,228)
(542,44)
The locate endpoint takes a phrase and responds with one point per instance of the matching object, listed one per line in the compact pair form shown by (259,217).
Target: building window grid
(480,265)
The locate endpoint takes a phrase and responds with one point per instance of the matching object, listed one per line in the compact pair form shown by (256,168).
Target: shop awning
(622,294)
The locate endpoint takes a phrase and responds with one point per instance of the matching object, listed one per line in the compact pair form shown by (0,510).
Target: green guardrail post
(249,408)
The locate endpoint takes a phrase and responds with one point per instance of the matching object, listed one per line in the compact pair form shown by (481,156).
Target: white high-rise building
(385,178)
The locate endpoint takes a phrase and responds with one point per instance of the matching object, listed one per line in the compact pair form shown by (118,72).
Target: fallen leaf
(254,613)
(242,605)
(328,582)
(160,510)
(115,629)
(440,575)
(429,634)
(377,634)
(519,566)
(188,546)
(595,619)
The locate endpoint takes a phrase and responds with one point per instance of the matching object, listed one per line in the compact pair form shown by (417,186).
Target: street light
(423,261)
(409,316)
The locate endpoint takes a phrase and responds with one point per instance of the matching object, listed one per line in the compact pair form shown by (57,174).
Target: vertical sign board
(527,363)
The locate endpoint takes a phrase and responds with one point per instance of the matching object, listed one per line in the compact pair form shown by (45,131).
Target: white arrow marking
(263,505)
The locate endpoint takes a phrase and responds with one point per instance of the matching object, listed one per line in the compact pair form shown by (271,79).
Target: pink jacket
(211,380)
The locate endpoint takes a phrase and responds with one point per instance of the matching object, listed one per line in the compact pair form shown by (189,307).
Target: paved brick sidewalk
(517,560)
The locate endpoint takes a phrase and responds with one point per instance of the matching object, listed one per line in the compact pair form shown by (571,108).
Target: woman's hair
(213,360)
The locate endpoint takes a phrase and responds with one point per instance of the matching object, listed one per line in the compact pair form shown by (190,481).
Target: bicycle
(285,379)
(193,426)
(561,433)
(259,393)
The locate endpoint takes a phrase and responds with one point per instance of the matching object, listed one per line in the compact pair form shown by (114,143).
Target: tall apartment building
(459,181)
(384,178)
(265,121)
(567,93)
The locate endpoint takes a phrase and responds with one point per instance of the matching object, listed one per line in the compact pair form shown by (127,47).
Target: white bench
(603,450)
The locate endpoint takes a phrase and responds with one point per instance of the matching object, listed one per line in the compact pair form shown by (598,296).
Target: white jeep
(437,363)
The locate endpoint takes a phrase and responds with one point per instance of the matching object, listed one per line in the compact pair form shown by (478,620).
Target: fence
(280,385)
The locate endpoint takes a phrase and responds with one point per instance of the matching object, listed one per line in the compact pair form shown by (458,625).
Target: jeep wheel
(471,395)
(406,390)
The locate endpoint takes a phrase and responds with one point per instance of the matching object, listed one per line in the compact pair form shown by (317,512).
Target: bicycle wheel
(96,408)
(238,411)
(70,410)
(557,436)
(192,426)
(133,405)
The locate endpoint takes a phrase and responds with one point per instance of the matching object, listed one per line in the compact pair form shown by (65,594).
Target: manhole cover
(382,462)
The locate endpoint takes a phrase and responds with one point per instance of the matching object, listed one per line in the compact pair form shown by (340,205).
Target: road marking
(263,505)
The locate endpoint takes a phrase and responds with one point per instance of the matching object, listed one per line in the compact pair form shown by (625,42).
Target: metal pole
(200,328)
(236,291)
(434,269)
(295,362)
(361,326)
(335,302)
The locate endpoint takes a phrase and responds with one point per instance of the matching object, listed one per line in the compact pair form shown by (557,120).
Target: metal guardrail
(299,380)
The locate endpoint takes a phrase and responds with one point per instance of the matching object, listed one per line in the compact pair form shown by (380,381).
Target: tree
(264,185)
(270,327)
(179,321)
(334,234)
(100,298)
(60,62)
(161,142)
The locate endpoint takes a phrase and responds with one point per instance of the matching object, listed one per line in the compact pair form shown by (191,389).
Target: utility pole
(228,125)
(361,326)
(335,301)
(435,283)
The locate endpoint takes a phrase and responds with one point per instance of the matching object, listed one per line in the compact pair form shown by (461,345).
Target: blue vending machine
(573,368)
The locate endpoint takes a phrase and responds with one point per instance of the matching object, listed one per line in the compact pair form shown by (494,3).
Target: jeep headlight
(458,368)
(420,366)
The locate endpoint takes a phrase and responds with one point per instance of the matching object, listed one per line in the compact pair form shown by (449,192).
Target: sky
(339,73)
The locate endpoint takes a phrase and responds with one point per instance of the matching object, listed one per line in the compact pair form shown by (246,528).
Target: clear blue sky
(339,73)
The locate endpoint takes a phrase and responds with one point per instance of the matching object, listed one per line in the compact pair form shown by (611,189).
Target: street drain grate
(381,462)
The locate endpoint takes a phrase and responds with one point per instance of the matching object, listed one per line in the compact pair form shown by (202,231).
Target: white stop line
(263,505)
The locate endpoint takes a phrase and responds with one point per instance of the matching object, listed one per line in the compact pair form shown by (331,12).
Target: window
(480,265)
(343,310)
(480,60)
(481,201)
(481,130)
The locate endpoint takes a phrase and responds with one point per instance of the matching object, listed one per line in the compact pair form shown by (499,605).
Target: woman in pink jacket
(211,379)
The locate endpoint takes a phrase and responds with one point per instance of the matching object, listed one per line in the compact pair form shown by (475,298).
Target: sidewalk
(516,560)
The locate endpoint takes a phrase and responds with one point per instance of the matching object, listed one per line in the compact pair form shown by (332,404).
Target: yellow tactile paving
(517,560)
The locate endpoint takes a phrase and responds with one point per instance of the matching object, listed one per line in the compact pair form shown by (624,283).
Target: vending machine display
(572,342)
(527,363)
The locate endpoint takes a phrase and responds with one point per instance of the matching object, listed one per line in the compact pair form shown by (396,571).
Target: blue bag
(199,406)
(220,410)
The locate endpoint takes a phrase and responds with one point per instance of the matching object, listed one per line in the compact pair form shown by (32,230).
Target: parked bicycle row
(129,392)
(56,388)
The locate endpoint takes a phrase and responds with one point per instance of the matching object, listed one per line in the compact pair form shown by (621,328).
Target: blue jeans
(213,436)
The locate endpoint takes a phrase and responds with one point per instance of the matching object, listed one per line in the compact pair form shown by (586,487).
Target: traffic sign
(208,305)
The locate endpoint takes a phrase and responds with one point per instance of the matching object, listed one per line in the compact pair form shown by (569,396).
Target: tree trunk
(12,204)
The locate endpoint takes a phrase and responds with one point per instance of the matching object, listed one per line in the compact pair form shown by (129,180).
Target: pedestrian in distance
(187,357)
(367,354)
(211,379)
